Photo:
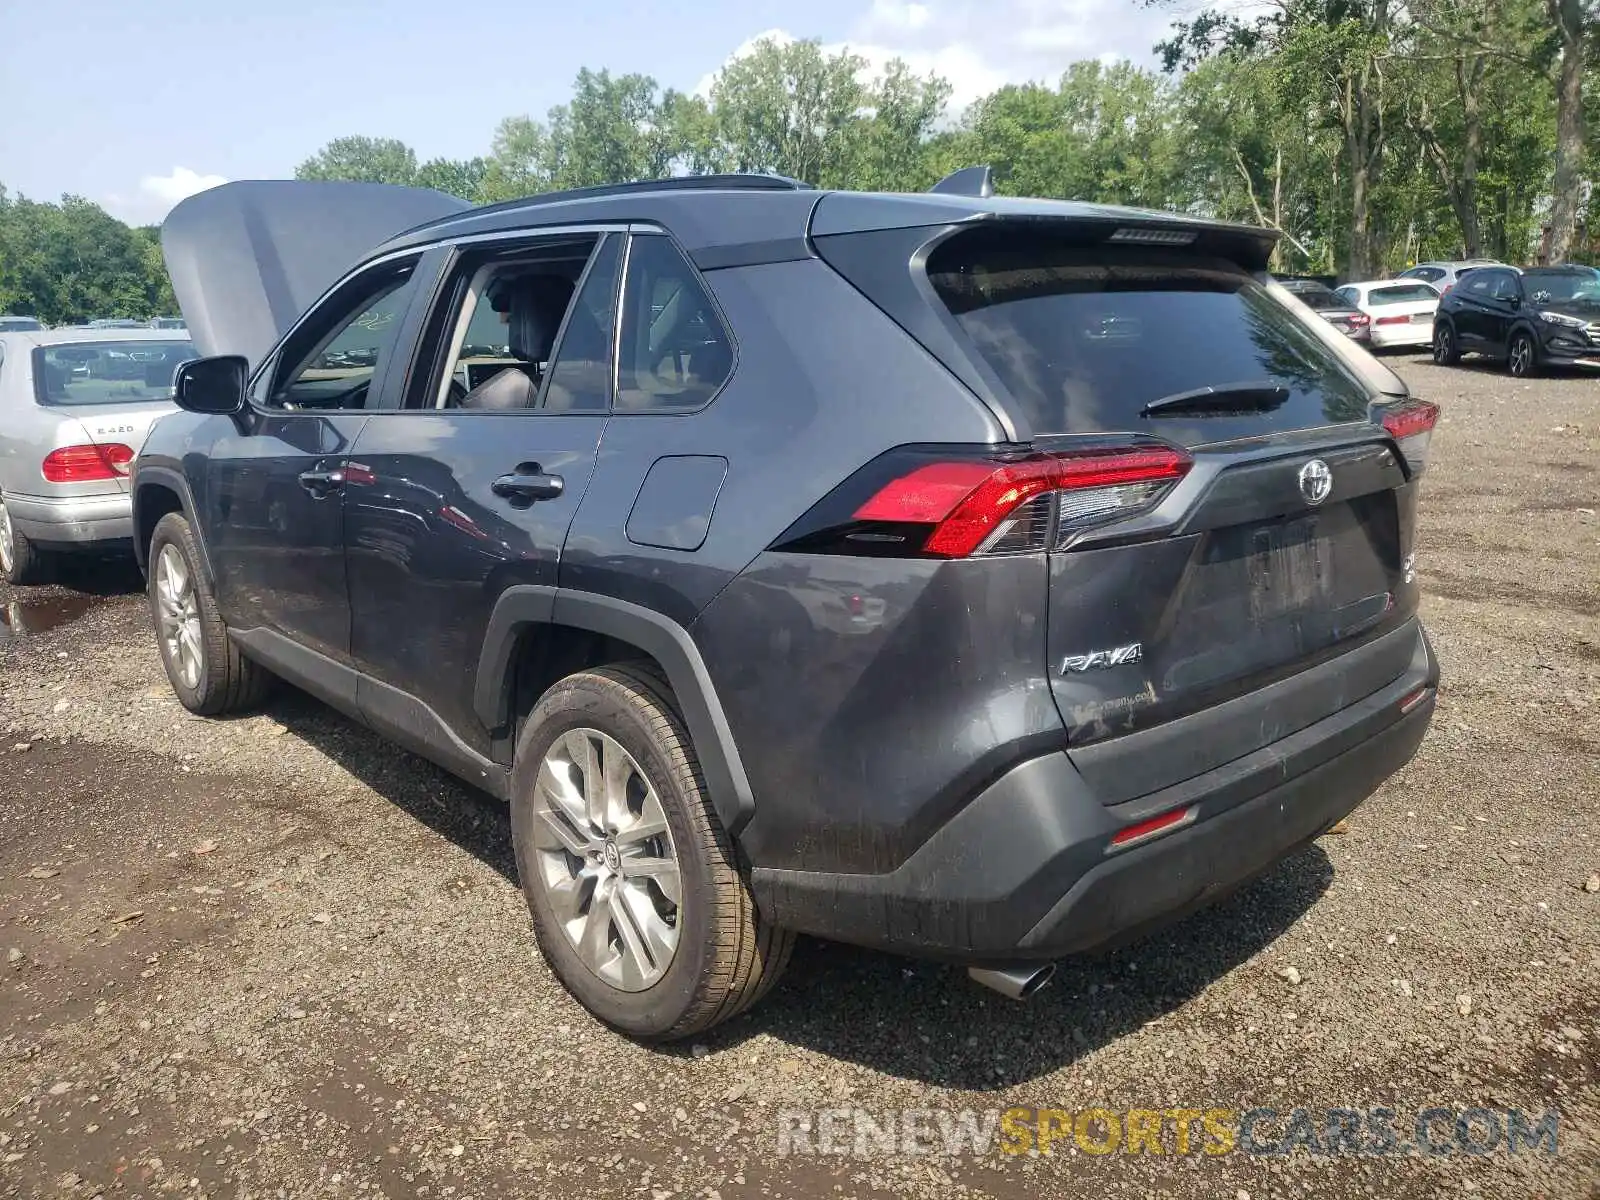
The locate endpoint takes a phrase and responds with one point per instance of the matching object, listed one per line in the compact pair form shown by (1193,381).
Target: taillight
(86,464)
(1359,319)
(1410,423)
(1393,321)
(950,503)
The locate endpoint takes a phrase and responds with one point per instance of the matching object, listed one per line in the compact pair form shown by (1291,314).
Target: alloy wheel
(606,860)
(178,613)
(8,540)
(1441,345)
(1521,359)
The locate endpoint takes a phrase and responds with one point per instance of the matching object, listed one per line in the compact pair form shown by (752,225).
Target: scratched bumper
(1028,869)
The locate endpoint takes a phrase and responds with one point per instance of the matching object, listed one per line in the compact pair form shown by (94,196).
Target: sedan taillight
(87,464)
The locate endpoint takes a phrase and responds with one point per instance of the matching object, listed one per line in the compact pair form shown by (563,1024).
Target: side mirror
(212,385)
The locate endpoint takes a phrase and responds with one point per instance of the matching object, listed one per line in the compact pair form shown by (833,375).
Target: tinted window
(1547,287)
(1083,338)
(1478,283)
(580,376)
(1503,285)
(107,372)
(338,351)
(675,353)
(1402,294)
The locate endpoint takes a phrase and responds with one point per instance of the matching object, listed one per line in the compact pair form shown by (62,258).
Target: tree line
(1371,133)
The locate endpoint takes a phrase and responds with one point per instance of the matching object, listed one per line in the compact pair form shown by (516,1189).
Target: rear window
(1315,295)
(1083,338)
(107,372)
(1402,294)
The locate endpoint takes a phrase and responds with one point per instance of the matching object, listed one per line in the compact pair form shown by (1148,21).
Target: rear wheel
(1522,357)
(1445,350)
(21,562)
(637,898)
(206,670)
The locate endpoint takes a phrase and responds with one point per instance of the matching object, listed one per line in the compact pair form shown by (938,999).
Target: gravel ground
(276,956)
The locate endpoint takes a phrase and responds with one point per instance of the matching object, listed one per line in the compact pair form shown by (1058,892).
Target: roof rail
(969,181)
(675,183)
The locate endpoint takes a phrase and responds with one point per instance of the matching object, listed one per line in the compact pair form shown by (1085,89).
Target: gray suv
(973,578)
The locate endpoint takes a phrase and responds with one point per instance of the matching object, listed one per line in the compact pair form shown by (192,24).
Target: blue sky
(136,103)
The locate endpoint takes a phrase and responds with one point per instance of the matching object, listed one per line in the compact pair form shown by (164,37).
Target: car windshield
(19,324)
(108,372)
(1546,287)
(1402,294)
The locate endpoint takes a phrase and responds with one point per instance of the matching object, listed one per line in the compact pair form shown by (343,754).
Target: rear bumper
(1402,335)
(64,522)
(1028,870)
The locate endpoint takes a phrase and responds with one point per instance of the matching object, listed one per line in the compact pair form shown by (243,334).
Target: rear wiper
(1224,397)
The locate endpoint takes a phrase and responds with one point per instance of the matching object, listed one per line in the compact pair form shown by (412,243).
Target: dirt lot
(275,956)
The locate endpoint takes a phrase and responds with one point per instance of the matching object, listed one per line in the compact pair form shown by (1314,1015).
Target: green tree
(457,177)
(362,160)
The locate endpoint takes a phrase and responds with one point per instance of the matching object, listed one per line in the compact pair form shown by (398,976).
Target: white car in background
(1401,310)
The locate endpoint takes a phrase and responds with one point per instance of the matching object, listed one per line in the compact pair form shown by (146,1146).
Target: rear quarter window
(1082,338)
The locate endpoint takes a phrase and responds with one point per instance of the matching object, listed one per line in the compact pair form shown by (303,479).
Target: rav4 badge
(1100,659)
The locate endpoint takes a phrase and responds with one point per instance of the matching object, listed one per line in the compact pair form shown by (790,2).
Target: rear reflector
(87,464)
(1412,699)
(1155,825)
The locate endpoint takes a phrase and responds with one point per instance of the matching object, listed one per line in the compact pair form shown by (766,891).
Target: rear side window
(1427,273)
(1082,338)
(1402,294)
(675,352)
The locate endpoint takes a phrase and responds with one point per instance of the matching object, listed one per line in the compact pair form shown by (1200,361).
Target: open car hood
(247,258)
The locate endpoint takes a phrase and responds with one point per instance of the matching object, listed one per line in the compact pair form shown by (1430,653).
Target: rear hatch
(1244,513)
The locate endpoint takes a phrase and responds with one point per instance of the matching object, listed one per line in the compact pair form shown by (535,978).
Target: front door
(273,500)
(469,487)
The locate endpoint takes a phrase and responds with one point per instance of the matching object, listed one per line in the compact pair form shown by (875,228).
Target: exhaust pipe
(1016,982)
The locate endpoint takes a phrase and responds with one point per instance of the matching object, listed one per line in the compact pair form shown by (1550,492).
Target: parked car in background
(1529,318)
(167,323)
(75,406)
(1442,276)
(1334,309)
(115,323)
(9,324)
(1030,575)
(1401,310)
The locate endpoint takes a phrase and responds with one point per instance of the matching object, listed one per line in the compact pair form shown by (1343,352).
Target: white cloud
(158,193)
(979,45)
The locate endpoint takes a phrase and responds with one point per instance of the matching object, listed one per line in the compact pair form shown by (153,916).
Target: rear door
(1504,306)
(1471,310)
(470,486)
(1287,540)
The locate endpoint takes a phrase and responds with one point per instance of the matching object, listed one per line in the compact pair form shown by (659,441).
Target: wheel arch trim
(669,643)
(173,481)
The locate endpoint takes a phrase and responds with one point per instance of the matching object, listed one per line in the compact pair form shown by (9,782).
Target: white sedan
(1401,310)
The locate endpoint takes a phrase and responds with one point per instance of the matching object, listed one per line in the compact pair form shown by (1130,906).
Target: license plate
(1288,569)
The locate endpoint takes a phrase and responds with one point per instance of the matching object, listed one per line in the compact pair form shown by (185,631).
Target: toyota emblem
(1316,481)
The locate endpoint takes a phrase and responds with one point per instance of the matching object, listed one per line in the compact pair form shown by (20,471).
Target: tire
(218,679)
(1522,355)
(1446,350)
(22,564)
(585,896)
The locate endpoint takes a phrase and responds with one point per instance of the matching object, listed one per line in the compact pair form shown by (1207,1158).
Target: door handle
(320,483)
(528,483)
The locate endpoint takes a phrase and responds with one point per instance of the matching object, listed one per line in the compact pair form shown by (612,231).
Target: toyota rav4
(974,578)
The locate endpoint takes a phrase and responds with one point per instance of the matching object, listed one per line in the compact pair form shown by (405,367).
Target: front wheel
(208,674)
(638,902)
(1445,350)
(1522,358)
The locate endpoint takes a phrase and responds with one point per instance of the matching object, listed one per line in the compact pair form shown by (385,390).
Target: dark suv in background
(1528,318)
(975,578)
